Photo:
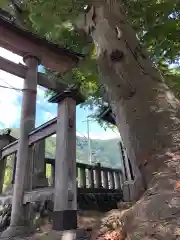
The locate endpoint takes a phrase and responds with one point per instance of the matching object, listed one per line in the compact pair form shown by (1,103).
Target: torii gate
(35,51)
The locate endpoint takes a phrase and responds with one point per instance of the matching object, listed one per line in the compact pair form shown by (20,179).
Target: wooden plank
(21,42)
(39,165)
(43,194)
(111,180)
(117,180)
(43,131)
(82,178)
(96,190)
(105,179)
(40,133)
(40,194)
(98,179)
(87,166)
(90,178)
(20,70)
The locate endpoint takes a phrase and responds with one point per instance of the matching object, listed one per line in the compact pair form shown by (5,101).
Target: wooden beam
(87,166)
(21,42)
(20,70)
(36,195)
(36,135)
(43,194)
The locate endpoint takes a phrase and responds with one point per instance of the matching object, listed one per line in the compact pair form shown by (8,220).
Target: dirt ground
(103,226)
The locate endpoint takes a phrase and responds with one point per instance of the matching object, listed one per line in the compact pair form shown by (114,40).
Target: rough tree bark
(148,119)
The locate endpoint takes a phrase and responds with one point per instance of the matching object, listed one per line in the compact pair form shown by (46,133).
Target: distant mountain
(105,152)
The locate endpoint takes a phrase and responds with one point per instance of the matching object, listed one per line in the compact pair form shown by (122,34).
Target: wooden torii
(35,51)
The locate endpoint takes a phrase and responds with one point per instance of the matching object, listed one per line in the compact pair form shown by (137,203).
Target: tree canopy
(156,22)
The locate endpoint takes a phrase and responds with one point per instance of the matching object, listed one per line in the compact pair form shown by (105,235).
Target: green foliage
(105,152)
(157,23)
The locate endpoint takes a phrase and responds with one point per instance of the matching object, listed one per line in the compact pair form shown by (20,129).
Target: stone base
(64,220)
(16,231)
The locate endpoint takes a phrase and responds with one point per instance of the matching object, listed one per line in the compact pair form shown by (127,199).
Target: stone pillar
(39,165)
(20,216)
(65,208)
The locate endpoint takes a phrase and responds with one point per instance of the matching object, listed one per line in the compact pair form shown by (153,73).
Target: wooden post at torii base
(20,215)
(65,193)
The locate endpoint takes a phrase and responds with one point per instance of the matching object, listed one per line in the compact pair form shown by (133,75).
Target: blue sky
(10,105)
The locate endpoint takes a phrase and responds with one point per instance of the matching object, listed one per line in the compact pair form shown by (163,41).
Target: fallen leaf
(177,187)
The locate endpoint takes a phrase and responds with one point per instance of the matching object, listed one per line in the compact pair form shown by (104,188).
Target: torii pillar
(65,189)
(20,216)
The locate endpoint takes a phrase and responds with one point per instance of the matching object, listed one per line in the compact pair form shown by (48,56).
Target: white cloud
(48,116)
(10,56)
(104,136)
(10,109)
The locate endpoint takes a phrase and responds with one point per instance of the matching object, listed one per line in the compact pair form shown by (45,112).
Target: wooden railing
(40,133)
(94,176)
(89,177)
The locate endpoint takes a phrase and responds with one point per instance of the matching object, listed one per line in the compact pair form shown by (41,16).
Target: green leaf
(3,3)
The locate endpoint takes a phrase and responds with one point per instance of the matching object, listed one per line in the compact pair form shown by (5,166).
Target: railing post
(90,178)
(82,177)
(111,180)
(65,209)
(20,216)
(117,180)
(98,181)
(105,179)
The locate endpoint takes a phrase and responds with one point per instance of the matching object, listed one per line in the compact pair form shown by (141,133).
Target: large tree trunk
(148,119)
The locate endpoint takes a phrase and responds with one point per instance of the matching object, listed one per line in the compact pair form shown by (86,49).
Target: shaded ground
(102,226)
(88,220)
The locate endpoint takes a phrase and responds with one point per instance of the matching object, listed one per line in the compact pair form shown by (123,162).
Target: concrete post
(20,222)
